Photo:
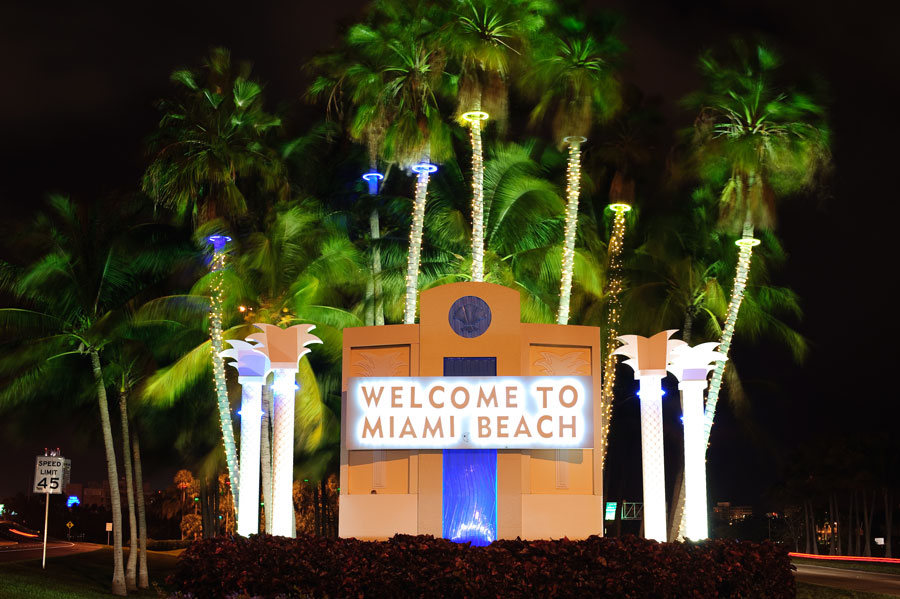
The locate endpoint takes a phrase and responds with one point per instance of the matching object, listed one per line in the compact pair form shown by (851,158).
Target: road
(853,580)
(14,552)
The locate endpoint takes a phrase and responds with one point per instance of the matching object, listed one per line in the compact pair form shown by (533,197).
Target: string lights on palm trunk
(616,242)
(746,245)
(216,319)
(573,188)
(423,170)
(474,119)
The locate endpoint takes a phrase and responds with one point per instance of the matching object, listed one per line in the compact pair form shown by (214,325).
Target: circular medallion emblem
(469,316)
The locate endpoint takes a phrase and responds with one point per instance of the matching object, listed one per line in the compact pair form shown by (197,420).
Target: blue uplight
(372,178)
(424,167)
(72,500)
(218,242)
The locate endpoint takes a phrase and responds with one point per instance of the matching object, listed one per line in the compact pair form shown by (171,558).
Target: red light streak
(24,534)
(848,558)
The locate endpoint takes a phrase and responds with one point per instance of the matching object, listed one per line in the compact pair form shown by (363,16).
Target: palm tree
(71,299)
(484,37)
(353,77)
(758,142)
(575,81)
(397,40)
(211,137)
(300,268)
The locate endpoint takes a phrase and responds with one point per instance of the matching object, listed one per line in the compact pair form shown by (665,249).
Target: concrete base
(558,516)
(378,517)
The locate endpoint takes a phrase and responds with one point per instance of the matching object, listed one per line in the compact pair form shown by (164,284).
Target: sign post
(50,476)
(108,530)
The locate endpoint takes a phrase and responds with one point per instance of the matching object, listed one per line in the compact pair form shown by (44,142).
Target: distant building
(97,494)
(726,512)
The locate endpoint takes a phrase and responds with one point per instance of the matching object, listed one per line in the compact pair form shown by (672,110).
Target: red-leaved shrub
(425,567)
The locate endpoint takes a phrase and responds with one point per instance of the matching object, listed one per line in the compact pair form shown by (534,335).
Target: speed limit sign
(49,473)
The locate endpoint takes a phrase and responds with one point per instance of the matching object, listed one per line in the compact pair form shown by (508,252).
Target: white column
(695,500)
(652,458)
(251,420)
(284,388)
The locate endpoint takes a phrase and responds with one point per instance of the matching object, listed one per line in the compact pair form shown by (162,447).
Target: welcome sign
(528,412)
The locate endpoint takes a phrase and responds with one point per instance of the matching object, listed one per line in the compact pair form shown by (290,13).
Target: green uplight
(747,242)
(474,115)
(620,208)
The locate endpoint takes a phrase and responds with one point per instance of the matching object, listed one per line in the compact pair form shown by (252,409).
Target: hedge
(423,566)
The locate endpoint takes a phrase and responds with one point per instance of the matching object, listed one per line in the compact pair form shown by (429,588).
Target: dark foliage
(422,566)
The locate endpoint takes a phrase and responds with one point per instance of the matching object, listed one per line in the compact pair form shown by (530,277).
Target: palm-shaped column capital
(253,365)
(692,364)
(648,356)
(284,347)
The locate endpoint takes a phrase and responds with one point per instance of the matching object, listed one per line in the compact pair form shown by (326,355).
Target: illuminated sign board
(494,412)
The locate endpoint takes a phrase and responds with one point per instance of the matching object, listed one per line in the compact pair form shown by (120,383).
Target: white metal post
(46,518)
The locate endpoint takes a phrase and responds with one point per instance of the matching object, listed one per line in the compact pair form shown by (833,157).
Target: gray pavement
(853,580)
(30,550)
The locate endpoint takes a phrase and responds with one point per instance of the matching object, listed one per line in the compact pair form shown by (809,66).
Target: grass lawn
(814,591)
(849,565)
(81,576)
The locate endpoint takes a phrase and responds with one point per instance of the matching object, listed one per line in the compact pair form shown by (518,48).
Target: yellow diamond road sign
(69,524)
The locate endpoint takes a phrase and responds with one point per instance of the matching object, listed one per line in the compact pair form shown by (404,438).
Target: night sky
(76,103)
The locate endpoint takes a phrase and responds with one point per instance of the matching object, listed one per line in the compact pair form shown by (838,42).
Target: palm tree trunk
(143,574)
(573,188)
(131,566)
(868,515)
(215,332)
(806,526)
(265,452)
(118,579)
(477,200)
(888,521)
(832,525)
(415,246)
(746,244)
(812,528)
(612,325)
(375,229)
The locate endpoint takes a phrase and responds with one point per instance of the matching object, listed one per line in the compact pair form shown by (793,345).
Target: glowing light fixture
(253,368)
(648,358)
(423,167)
(474,119)
(372,178)
(72,500)
(218,242)
(284,348)
(690,365)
